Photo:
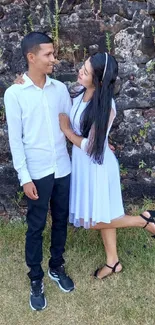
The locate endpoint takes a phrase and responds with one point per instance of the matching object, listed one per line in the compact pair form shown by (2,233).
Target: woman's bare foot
(107,270)
(151,224)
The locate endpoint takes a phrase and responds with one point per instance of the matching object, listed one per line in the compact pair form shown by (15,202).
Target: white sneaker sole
(57,281)
(38,309)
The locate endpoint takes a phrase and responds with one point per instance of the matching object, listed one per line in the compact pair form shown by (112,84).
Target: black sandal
(113,268)
(150,219)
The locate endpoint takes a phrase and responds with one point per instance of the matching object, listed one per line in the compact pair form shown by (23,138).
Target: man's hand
(19,79)
(30,191)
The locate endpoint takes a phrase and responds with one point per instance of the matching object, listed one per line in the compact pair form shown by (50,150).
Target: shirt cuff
(83,144)
(24,177)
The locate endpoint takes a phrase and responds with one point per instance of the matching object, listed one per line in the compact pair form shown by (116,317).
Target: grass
(122,299)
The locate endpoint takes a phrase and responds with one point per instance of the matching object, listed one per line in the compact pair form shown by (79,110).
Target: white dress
(95,192)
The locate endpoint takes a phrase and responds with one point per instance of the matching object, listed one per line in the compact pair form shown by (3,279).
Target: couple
(39,116)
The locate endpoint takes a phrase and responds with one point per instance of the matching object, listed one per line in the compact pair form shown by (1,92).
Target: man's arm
(14,121)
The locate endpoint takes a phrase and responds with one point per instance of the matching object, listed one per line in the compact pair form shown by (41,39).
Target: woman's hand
(64,122)
(19,79)
(112,147)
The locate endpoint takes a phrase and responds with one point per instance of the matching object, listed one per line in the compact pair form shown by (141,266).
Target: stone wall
(123,28)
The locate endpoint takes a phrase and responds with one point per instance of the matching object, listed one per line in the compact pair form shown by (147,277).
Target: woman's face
(85,76)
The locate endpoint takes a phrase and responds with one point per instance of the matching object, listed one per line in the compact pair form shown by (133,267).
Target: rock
(148,45)
(1,12)
(127,69)
(3,87)
(117,86)
(123,41)
(147,146)
(5,2)
(149,113)
(111,7)
(2,210)
(93,49)
(151,7)
(64,6)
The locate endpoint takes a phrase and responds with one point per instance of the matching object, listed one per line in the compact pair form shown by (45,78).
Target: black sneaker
(37,298)
(64,282)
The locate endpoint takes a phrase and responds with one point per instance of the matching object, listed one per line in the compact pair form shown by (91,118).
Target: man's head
(38,51)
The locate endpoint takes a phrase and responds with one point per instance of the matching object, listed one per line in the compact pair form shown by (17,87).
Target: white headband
(105,67)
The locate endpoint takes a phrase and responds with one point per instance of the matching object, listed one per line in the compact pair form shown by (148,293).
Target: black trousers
(55,191)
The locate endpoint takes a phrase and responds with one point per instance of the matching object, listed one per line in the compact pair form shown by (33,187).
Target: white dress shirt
(38,146)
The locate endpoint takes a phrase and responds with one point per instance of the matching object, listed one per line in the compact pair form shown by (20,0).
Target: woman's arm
(77,140)
(66,129)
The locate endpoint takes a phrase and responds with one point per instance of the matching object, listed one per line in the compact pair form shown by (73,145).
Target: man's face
(43,60)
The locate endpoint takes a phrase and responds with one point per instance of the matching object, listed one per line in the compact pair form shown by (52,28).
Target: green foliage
(146,125)
(151,67)
(56,23)
(55,30)
(92,3)
(2,113)
(48,17)
(20,195)
(149,170)
(142,164)
(135,138)
(76,47)
(1,52)
(123,170)
(143,132)
(122,187)
(130,293)
(148,204)
(108,42)
(30,22)
(25,29)
(71,50)
(84,53)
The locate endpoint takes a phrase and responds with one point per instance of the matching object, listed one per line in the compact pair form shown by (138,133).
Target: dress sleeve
(84,144)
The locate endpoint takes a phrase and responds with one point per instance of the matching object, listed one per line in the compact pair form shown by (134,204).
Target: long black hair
(97,113)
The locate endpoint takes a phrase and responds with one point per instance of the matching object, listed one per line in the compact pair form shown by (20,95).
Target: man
(41,159)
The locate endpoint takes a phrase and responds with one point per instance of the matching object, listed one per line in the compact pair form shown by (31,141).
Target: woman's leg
(127,221)
(109,241)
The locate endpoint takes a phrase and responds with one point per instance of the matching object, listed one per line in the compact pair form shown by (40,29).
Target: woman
(95,194)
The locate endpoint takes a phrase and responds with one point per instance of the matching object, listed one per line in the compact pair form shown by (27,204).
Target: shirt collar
(28,82)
